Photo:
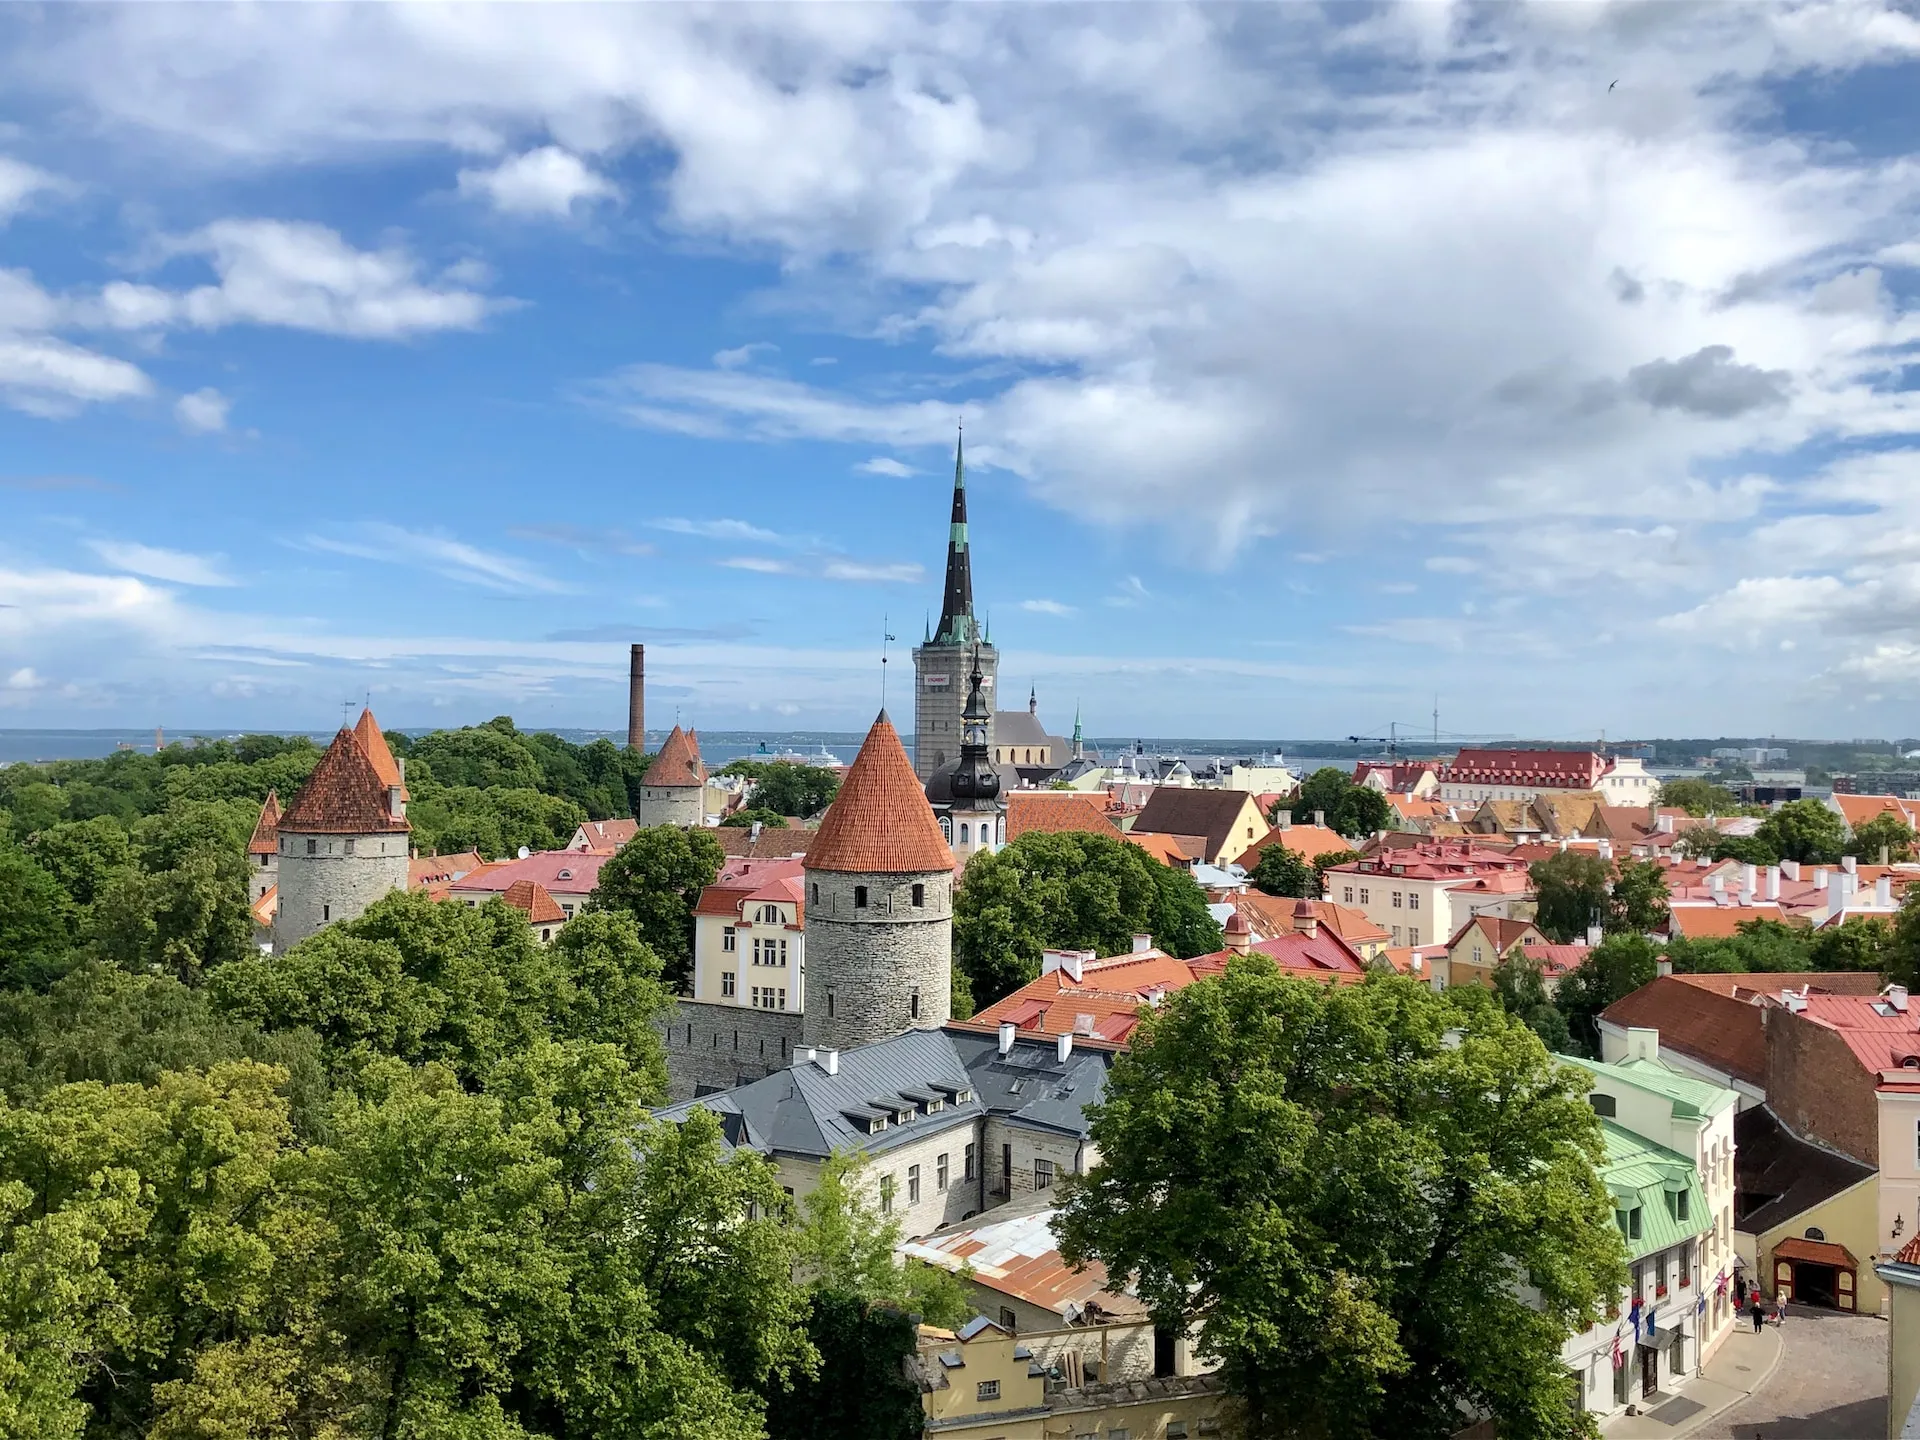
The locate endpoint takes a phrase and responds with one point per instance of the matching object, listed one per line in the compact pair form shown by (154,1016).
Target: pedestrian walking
(1759,1313)
(1779,1310)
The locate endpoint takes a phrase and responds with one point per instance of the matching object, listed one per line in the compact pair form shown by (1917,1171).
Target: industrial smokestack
(637,699)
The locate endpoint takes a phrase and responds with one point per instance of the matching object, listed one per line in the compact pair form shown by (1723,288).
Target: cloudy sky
(1561,361)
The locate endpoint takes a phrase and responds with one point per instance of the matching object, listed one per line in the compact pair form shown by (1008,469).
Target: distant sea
(717,747)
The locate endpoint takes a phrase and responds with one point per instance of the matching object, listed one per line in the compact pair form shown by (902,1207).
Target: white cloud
(204,412)
(1047,607)
(19,182)
(46,376)
(301,276)
(760,565)
(24,679)
(858,570)
(178,566)
(743,354)
(441,554)
(719,530)
(548,181)
(883,465)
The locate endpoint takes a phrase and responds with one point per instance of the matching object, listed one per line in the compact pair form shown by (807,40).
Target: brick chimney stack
(637,699)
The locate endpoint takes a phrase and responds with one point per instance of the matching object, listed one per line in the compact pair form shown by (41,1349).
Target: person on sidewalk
(1759,1313)
(1779,1310)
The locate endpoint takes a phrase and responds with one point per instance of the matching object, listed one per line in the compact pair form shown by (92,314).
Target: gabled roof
(604,835)
(425,872)
(1560,769)
(1640,1175)
(1777,1175)
(880,822)
(266,907)
(541,907)
(560,872)
(1716,1029)
(1309,842)
(1054,811)
(266,830)
(776,842)
(1859,809)
(1692,1099)
(345,794)
(1718,922)
(1167,849)
(678,763)
(1502,934)
(1179,810)
(1020,727)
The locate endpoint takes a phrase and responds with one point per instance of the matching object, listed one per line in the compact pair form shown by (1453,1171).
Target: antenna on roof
(346,710)
(886,635)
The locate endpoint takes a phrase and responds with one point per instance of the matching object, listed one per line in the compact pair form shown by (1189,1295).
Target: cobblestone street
(1831,1384)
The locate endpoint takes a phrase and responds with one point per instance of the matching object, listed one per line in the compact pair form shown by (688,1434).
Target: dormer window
(564,875)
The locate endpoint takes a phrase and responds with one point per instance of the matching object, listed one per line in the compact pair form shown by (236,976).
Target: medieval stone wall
(715,1047)
(880,969)
(337,880)
(671,805)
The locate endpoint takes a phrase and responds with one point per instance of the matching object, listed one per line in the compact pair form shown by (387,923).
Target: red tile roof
(678,763)
(345,794)
(541,907)
(1556,769)
(1879,1042)
(604,836)
(561,872)
(776,842)
(426,871)
(1718,922)
(1714,1028)
(1909,1253)
(1167,849)
(266,907)
(367,732)
(266,830)
(1309,842)
(1053,811)
(1748,986)
(880,822)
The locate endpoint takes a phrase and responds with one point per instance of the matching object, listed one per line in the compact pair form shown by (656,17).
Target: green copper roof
(1652,1179)
(1692,1099)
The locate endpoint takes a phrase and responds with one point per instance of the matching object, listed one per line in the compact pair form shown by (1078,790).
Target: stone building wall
(1028,1146)
(940,685)
(1819,1088)
(683,805)
(1121,1352)
(715,1047)
(263,873)
(936,1207)
(880,969)
(336,880)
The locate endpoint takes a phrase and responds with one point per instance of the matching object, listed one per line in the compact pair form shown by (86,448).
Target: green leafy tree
(748,818)
(1281,871)
(82,854)
(1326,860)
(1639,900)
(1701,843)
(1570,891)
(34,805)
(36,917)
(861,1390)
(1758,945)
(843,1243)
(1901,958)
(490,756)
(1699,797)
(1517,981)
(611,993)
(1355,811)
(183,921)
(1806,831)
(657,877)
(789,789)
(1349,1168)
(1617,966)
(1883,832)
(1070,890)
(193,827)
(1860,942)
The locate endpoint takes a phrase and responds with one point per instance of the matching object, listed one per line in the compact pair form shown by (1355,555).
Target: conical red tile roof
(880,822)
(345,795)
(678,762)
(367,732)
(266,830)
(536,900)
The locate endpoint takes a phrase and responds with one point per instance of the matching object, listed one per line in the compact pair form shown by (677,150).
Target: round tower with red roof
(343,841)
(674,789)
(879,911)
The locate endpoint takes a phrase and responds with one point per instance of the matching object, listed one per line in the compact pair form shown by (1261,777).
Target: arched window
(1814,1232)
(963,832)
(1602,1104)
(946,828)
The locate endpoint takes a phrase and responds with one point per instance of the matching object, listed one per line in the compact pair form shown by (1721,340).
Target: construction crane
(1391,740)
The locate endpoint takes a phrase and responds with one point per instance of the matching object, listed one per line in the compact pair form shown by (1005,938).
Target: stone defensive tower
(941,663)
(879,905)
(674,789)
(263,851)
(343,842)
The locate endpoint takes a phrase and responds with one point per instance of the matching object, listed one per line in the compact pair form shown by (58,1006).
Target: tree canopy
(1806,831)
(1355,811)
(1281,871)
(787,788)
(1070,890)
(657,877)
(1359,1183)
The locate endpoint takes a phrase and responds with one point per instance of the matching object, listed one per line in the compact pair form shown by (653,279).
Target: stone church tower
(940,664)
(674,789)
(879,906)
(966,794)
(344,839)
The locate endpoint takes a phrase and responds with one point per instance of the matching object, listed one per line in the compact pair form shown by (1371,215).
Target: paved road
(1831,1384)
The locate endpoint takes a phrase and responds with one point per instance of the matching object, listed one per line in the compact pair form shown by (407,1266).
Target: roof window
(564,875)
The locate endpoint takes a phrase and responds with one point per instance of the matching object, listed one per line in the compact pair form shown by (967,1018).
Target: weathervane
(886,635)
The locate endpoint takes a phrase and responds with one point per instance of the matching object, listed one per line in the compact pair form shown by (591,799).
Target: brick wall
(719,1046)
(1818,1087)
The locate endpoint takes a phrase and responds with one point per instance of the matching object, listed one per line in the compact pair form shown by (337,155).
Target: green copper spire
(956,614)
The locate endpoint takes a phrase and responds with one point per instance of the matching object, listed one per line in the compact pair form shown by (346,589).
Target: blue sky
(1313,362)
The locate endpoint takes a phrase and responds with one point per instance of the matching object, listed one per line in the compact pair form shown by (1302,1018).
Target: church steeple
(976,779)
(956,614)
(1079,751)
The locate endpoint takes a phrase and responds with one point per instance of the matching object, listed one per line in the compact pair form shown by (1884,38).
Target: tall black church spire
(956,615)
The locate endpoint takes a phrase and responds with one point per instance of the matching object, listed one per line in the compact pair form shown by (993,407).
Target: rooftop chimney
(1595,934)
(1883,892)
(1820,878)
(637,698)
(1849,863)
(1063,1047)
(1071,962)
(1663,966)
(830,1061)
(1606,848)
(1664,824)
(1142,944)
(1773,882)
(1007,1031)
(1320,818)
(1790,869)
(1305,921)
(1897,997)
(1643,1043)
(802,1056)
(1283,819)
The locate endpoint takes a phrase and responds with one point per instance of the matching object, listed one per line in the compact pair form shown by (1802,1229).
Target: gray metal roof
(803,1110)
